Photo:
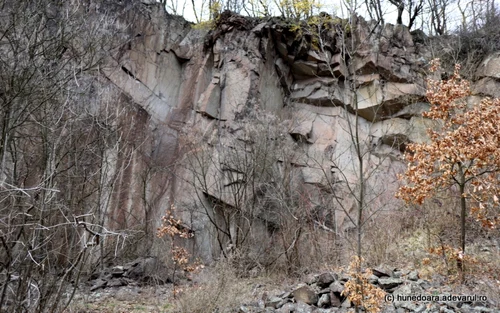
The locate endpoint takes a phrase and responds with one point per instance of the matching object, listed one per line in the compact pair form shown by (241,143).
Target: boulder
(487,86)
(490,67)
(383,270)
(336,287)
(324,280)
(305,294)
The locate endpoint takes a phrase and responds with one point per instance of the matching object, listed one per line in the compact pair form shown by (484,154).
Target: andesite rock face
(222,102)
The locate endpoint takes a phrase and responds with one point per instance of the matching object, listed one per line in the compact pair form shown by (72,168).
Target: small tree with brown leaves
(463,151)
(174,228)
(360,291)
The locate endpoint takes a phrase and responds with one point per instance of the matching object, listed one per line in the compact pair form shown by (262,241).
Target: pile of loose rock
(146,270)
(323,294)
(405,291)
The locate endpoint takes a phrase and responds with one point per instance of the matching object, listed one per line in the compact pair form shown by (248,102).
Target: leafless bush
(249,190)
(223,291)
(470,43)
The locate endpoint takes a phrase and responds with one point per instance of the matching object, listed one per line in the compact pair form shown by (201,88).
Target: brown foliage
(464,150)
(360,291)
(173,228)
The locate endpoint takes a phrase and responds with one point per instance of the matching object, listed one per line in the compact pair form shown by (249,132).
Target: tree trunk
(463,213)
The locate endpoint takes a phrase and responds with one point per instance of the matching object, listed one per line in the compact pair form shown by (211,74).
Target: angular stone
(209,102)
(339,71)
(376,102)
(373,279)
(487,87)
(98,284)
(273,302)
(311,279)
(259,28)
(287,308)
(419,126)
(325,279)
(490,67)
(302,307)
(414,109)
(344,277)
(303,126)
(286,294)
(444,309)
(282,49)
(303,69)
(365,79)
(335,299)
(405,94)
(420,308)
(282,302)
(382,270)
(117,271)
(389,308)
(408,305)
(369,98)
(323,291)
(116,282)
(324,301)
(318,91)
(389,283)
(413,275)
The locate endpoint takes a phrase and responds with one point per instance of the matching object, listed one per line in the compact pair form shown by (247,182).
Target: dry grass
(154,299)
(381,239)
(221,289)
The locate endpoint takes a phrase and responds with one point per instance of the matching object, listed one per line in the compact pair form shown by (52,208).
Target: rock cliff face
(250,127)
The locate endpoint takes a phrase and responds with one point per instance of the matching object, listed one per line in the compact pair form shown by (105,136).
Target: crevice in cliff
(130,74)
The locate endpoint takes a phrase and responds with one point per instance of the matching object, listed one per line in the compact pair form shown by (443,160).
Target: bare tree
(438,10)
(244,187)
(54,149)
(358,159)
(413,8)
